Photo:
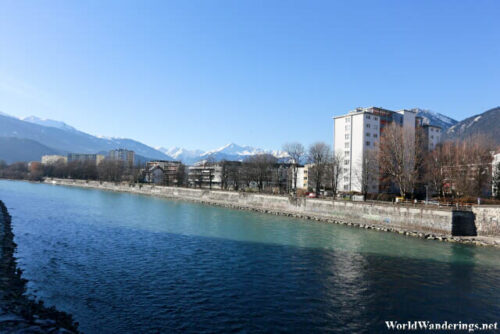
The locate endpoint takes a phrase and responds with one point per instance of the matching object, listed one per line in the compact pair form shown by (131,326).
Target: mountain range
(26,139)
(487,123)
(60,138)
(232,151)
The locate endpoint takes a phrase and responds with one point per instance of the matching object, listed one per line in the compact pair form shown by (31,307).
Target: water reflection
(124,263)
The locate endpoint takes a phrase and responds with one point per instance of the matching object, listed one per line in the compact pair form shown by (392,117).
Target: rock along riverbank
(439,224)
(18,313)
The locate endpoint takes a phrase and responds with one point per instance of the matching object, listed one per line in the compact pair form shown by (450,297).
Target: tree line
(401,164)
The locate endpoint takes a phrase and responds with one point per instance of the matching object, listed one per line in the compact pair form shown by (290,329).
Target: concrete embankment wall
(439,221)
(487,220)
(18,313)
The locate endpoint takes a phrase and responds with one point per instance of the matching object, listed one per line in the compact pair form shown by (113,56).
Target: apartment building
(126,156)
(163,172)
(357,139)
(431,134)
(303,177)
(53,159)
(82,157)
(205,175)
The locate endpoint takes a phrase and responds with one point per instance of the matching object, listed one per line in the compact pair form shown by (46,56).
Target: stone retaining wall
(385,216)
(487,220)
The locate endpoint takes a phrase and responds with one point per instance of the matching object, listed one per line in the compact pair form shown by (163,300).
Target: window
(368,117)
(346,145)
(346,187)
(346,170)
(375,127)
(348,120)
(368,126)
(367,143)
(368,134)
(346,152)
(346,178)
(347,136)
(347,127)
(375,118)
(375,135)
(346,162)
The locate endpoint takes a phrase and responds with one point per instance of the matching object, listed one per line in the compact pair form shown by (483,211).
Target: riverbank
(18,313)
(443,224)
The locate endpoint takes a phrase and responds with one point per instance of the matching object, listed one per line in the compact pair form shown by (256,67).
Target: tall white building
(356,134)
(126,156)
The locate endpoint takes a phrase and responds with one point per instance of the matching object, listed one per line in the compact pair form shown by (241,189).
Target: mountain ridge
(69,139)
(55,136)
(483,124)
(435,118)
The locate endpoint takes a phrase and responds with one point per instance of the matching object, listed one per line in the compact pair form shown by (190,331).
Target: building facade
(357,139)
(54,159)
(303,177)
(163,172)
(205,175)
(431,134)
(82,157)
(126,156)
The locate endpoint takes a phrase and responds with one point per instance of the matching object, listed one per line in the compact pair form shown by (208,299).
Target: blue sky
(200,74)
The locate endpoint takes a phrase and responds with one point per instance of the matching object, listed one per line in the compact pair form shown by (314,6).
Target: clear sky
(200,74)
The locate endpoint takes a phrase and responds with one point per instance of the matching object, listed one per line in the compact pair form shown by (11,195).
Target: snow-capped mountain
(238,153)
(181,154)
(435,118)
(62,138)
(230,151)
(48,122)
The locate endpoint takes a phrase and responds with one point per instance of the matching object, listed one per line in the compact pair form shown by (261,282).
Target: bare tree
(224,174)
(234,172)
(469,169)
(367,173)
(209,166)
(334,172)
(111,170)
(401,156)
(318,156)
(296,153)
(181,175)
(434,176)
(258,168)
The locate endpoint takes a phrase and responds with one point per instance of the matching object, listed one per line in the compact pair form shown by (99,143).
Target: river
(125,263)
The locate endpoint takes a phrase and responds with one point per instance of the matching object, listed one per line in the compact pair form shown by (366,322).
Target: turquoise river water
(123,263)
